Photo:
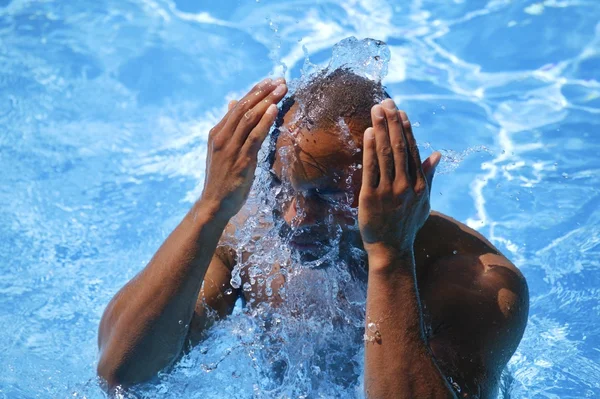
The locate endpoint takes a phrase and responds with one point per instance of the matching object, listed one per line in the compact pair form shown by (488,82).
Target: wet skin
(446,301)
(474,301)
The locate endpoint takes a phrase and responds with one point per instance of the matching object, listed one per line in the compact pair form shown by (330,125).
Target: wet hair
(328,97)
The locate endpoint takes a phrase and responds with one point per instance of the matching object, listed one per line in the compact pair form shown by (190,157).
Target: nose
(301,212)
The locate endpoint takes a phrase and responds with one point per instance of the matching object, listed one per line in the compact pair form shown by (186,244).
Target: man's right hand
(233,146)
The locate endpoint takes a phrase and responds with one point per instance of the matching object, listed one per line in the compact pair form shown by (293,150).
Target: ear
(429,166)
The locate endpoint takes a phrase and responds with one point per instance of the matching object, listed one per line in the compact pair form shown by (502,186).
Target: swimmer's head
(315,157)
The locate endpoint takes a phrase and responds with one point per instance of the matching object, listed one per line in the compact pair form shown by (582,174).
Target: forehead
(317,153)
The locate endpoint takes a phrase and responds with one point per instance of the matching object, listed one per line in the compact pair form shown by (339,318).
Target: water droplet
(247,287)
(372,327)
(416,124)
(455,252)
(228,291)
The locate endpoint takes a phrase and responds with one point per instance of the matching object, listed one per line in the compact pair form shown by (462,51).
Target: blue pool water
(105,107)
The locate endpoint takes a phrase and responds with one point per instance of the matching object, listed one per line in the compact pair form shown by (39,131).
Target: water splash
(305,309)
(367,57)
(275,51)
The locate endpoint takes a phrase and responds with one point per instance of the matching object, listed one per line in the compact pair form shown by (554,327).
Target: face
(317,177)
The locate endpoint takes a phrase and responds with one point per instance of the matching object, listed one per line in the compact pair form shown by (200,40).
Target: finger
(429,167)
(414,161)
(262,85)
(385,158)
(253,97)
(260,132)
(397,141)
(370,168)
(254,115)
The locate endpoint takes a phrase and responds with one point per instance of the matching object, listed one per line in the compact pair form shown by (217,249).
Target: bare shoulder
(476,301)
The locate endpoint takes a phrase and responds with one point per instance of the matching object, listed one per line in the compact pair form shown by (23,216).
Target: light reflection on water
(105,107)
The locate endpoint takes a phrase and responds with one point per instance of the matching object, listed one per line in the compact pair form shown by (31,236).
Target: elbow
(115,374)
(120,365)
(108,373)
(114,368)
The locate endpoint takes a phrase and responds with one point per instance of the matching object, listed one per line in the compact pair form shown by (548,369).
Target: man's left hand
(394,198)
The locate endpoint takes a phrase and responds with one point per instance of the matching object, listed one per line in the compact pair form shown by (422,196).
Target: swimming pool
(105,109)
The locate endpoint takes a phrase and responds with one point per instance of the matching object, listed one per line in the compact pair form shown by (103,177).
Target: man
(476,300)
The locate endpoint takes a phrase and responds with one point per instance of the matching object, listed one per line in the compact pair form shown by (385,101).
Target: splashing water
(367,57)
(303,325)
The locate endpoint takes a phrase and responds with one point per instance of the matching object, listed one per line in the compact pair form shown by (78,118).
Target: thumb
(429,166)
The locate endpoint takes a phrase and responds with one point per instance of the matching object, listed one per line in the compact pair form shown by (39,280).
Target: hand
(233,146)
(394,197)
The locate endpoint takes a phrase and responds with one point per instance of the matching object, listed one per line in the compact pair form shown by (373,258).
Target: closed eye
(330,196)
(275,180)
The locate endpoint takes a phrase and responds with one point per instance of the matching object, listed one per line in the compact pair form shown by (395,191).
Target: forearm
(398,362)
(144,327)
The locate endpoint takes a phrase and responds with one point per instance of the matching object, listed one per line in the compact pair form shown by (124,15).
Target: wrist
(384,257)
(205,210)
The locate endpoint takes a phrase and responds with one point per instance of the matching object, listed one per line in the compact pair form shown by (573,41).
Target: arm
(479,298)
(144,327)
(393,206)
(398,362)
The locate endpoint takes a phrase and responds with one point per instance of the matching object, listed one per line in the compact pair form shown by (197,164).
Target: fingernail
(378,111)
(389,104)
(279,90)
(279,81)
(272,110)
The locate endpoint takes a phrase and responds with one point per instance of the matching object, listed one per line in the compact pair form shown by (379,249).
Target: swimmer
(445,310)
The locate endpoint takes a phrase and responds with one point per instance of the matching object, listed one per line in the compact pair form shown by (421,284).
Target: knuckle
(386,151)
(249,115)
(392,116)
(379,123)
(370,168)
(243,106)
(366,196)
(254,139)
(218,143)
(402,187)
(384,188)
(243,162)
(246,124)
